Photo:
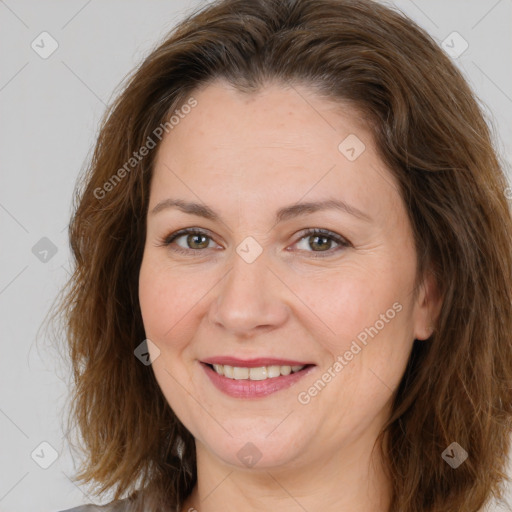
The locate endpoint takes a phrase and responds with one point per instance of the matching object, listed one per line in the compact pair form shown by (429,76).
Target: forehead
(280,141)
(276,116)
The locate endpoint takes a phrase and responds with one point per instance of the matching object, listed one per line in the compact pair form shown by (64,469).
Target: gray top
(116,506)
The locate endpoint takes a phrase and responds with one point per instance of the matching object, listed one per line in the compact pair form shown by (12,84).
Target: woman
(221,362)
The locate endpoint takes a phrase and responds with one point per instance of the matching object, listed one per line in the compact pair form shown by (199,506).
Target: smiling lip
(246,388)
(253,363)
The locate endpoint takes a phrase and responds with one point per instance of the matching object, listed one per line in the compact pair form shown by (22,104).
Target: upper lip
(253,363)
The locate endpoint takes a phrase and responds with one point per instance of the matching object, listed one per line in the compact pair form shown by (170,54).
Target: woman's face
(255,290)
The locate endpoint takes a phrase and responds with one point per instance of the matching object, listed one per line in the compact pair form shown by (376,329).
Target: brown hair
(430,132)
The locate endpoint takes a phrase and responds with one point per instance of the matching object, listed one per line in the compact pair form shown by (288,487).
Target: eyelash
(343,243)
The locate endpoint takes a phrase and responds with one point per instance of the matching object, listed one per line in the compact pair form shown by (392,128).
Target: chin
(259,449)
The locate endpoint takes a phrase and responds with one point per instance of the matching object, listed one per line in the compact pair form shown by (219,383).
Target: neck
(352,480)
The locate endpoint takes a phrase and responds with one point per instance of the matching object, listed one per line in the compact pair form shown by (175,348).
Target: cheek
(363,320)
(346,304)
(163,300)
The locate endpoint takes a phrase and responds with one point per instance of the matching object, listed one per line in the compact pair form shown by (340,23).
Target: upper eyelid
(189,231)
(306,232)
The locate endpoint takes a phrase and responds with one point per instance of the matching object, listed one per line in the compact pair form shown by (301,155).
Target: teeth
(240,373)
(286,370)
(273,371)
(258,373)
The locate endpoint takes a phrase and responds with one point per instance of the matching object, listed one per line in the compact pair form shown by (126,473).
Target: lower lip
(246,388)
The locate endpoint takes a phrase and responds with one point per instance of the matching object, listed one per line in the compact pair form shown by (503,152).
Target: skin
(246,156)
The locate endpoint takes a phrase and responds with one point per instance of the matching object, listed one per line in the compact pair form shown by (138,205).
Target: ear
(427,307)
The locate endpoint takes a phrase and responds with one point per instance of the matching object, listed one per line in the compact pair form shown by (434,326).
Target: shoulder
(115,506)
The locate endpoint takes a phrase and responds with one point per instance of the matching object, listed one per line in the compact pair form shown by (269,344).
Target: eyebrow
(285,213)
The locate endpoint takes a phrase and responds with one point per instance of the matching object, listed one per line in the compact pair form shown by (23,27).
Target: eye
(322,239)
(195,240)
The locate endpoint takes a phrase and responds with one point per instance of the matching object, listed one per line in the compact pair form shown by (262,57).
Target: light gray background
(49,111)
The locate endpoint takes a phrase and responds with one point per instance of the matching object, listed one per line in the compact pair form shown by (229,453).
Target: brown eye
(316,241)
(321,241)
(194,240)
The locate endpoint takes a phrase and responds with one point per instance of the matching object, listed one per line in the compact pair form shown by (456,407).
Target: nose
(249,300)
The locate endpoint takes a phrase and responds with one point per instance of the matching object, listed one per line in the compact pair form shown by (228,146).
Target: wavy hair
(431,133)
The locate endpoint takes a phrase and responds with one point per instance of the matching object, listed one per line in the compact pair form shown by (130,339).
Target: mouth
(255,372)
(254,379)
